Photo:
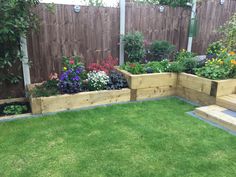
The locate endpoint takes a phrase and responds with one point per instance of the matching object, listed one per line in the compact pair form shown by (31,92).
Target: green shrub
(133,68)
(176,67)
(156,67)
(217,69)
(15,109)
(215,48)
(160,50)
(189,65)
(183,54)
(134,46)
(48,88)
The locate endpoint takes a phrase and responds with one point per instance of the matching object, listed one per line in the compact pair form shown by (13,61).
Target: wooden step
(219,115)
(228,102)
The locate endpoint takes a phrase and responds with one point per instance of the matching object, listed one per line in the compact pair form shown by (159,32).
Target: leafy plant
(218,68)
(48,88)
(173,3)
(16,19)
(107,65)
(183,54)
(189,65)
(133,68)
(215,48)
(160,50)
(15,109)
(156,67)
(116,81)
(228,31)
(134,46)
(71,62)
(176,67)
(97,80)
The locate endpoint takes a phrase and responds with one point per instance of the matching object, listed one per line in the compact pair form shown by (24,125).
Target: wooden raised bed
(80,100)
(146,86)
(195,89)
(191,87)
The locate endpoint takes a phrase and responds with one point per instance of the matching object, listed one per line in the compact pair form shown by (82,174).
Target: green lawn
(153,138)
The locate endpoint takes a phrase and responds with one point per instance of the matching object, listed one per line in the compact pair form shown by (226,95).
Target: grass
(148,139)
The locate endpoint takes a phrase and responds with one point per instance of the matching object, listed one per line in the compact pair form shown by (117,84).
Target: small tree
(134,46)
(16,18)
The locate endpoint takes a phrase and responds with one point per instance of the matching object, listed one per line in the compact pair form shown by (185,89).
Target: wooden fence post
(122,30)
(25,63)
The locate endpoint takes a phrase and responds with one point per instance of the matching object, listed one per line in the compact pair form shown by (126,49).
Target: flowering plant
(70,80)
(107,65)
(97,80)
(220,68)
(133,68)
(71,62)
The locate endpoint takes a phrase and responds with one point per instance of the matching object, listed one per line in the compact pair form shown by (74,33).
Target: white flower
(97,80)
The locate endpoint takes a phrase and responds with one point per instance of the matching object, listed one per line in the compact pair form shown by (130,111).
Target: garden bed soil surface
(2,106)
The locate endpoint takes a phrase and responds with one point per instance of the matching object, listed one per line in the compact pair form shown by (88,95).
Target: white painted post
(25,62)
(193,15)
(122,30)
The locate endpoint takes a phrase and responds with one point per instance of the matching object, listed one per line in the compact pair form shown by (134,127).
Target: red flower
(72,61)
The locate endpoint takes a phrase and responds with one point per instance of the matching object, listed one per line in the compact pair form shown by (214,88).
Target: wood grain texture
(94,33)
(79,100)
(195,83)
(210,16)
(217,115)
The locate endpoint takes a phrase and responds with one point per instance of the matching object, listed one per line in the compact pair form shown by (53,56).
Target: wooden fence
(211,15)
(94,32)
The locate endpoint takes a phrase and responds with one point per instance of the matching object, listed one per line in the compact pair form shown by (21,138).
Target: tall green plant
(16,18)
(134,46)
(229,33)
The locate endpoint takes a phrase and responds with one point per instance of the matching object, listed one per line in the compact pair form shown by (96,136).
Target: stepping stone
(228,102)
(219,115)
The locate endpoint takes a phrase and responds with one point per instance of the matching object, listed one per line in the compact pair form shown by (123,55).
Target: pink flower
(72,61)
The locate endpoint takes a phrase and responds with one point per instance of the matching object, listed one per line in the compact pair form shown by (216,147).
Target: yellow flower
(233,62)
(65,68)
(232,53)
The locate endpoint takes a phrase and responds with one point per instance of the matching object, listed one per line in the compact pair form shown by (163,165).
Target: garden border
(188,86)
(42,105)
(142,87)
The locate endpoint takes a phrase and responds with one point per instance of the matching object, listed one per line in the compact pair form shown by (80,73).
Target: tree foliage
(228,31)
(95,2)
(166,2)
(16,18)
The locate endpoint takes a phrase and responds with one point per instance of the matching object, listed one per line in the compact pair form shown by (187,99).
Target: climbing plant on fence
(16,18)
